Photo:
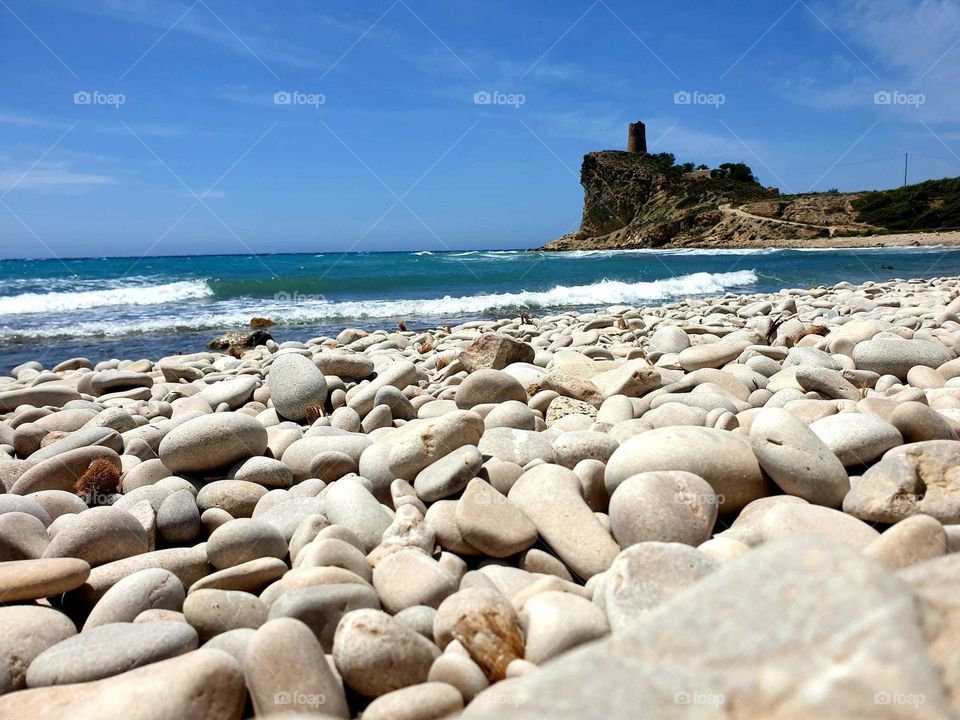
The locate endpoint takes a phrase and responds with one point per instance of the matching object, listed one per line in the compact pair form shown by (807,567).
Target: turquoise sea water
(129,308)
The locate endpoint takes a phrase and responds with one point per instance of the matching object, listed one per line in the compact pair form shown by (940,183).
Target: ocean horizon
(147,307)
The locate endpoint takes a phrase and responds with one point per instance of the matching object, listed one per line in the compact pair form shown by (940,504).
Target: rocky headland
(636,200)
(745,506)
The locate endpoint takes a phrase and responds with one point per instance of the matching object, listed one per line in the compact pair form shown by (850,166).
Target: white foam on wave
(31,303)
(320,311)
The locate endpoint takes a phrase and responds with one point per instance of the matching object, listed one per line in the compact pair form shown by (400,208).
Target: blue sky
(154,126)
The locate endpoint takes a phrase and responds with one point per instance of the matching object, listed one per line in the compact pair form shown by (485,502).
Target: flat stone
(350,366)
(242,540)
(897,357)
(108,650)
(63,471)
(237,497)
(911,541)
(212,611)
(555,622)
(448,475)
(204,684)
(264,471)
(494,351)
(425,701)
(350,504)
(516,446)
(321,607)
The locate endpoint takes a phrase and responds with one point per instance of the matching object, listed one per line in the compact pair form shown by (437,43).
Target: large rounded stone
(489,522)
(287,671)
(213,611)
(855,438)
(721,458)
(212,441)
(153,588)
(666,506)
(242,540)
(375,654)
(897,357)
(322,606)
(28,630)
(407,578)
(489,386)
(554,622)
(797,459)
(99,535)
(295,385)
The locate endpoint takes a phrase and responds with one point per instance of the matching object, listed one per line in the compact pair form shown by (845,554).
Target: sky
(162,127)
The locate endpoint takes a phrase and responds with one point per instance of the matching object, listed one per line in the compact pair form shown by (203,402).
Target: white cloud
(50,178)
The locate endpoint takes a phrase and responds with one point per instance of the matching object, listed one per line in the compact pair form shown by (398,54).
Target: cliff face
(632,202)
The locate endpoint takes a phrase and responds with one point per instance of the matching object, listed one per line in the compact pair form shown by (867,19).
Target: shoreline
(893,240)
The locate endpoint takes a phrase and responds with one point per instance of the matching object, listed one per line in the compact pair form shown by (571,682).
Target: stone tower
(637,138)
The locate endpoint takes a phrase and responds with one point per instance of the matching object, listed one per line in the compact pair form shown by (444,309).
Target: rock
(915,540)
(296,384)
(332,465)
(242,540)
(236,497)
(233,392)
(43,395)
(178,519)
(721,458)
(350,366)
(240,339)
(897,357)
(286,670)
(633,378)
(856,439)
(321,607)
(797,459)
(28,630)
(251,576)
(711,355)
(830,611)
(376,655)
(301,454)
(350,504)
(560,407)
(918,422)
(212,441)
(667,506)
(448,475)
(153,588)
(109,650)
(62,471)
(426,701)
(204,684)
(516,446)
(791,519)
(407,578)
(827,382)
(399,374)
(264,471)
(22,537)
(550,496)
(910,480)
(646,575)
(100,535)
(213,612)
(554,622)
(489,522)
(460,672)
(489,386)
(494,351)
(572,447)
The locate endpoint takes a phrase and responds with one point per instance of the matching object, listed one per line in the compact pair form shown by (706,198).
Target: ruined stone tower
(637,138)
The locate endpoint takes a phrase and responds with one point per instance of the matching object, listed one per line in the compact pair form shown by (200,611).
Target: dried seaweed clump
(314,413)
(492,640)
(98,483)
(809,330)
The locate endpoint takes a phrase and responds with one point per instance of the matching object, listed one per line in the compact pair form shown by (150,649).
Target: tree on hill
(735,171)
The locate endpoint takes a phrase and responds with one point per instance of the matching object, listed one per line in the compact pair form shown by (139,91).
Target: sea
(131,308)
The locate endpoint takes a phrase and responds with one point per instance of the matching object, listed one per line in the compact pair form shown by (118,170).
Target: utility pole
(905,169)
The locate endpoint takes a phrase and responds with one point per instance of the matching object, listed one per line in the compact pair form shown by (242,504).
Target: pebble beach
(738,506)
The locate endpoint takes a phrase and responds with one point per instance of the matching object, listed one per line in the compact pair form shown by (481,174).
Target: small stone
(448,475)
(212,441)
(409,577)
(212,612)
(909,542)
(296,384)
(856,439)
(426,701)
(242,540)
(321,607)
(494,351)
(554,622)
(489,386)
(178,519)
(153,588)
(100,535)
(28,630)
